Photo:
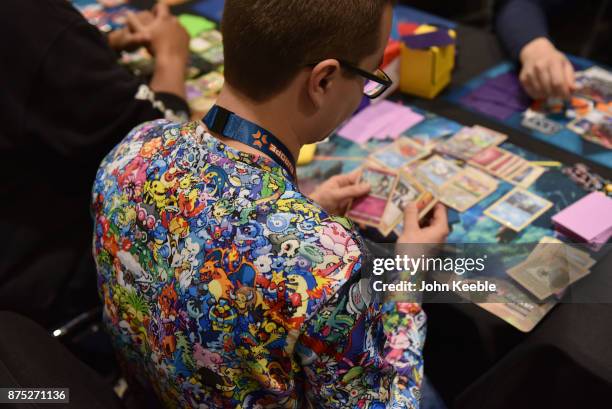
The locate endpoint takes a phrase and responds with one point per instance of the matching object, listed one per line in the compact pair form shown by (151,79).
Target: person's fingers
(351,192)
(557,80)
(439,220)
(161,10)
(411,219)
(353,177)
(141,38)
(145,16)
(347,179)
(542,85)
(526,79)
(570,74)
(133,22)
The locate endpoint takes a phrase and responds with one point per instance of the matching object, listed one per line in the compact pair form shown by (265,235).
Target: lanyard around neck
(225,123)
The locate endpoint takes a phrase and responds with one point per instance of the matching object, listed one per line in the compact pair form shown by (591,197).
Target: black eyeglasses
(377,82)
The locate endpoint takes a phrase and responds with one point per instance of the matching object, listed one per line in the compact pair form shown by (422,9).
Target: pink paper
(382,120)
(590,218)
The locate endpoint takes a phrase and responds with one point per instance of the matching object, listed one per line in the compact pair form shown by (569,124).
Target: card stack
(551,267)
(589,220)
(507,166)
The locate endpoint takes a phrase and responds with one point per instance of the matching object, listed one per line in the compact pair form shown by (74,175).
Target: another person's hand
(335,194)
(166,37)
(546,71)
(130,38)
(435,232)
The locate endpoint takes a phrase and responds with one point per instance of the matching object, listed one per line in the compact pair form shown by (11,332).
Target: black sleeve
(84,102)
(518,22)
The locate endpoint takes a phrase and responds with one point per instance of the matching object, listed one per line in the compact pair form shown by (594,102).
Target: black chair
(31,357)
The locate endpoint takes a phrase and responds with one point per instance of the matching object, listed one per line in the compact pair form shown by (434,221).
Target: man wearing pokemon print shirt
(223,285)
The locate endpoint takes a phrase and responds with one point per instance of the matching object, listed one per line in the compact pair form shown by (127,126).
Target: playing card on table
(470,141)
(431,129)
(525,175)
(601,132)
(505,165)
(595,84)
(434,172)
(518,209)
(551,267)
(513,304)
(487,157)
(538,122)
(467,188)
(399,154)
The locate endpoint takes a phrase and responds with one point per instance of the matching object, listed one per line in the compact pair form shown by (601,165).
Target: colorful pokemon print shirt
(225,287)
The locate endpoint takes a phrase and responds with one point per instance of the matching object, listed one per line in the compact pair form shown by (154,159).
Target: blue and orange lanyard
(226,123)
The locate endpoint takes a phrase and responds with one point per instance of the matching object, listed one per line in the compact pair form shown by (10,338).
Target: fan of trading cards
(589,109)
(408,171)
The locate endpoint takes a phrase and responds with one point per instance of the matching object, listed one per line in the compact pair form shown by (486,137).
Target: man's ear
(322,79)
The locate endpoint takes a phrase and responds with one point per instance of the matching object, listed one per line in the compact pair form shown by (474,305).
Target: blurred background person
(534,31)
(65,103)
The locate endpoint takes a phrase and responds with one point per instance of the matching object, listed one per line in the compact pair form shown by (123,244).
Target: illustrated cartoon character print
(225,287)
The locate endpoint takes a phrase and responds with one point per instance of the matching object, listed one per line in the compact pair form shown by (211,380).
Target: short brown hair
(266,42)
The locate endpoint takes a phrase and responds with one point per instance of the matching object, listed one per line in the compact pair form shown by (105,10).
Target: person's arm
(518,22)
(168,41)
(355,351)
(86,102)
(523,29)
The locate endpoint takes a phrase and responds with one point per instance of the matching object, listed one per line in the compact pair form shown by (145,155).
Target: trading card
(199,45)
(489,136)
(467,189)
(507,162)
(580,125)
(526,175)
(595,83)
(487,157)
(406,190)
(399,154)
(214,55)
(598,72)
(198,67)
(434,172)
(540,123)
(542,277)
(205,41)
(513,305)
(601,132)
(429,131)
(214,37)
(370,209)
(551,267)
(511,167)
(518,209)
(470,141)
